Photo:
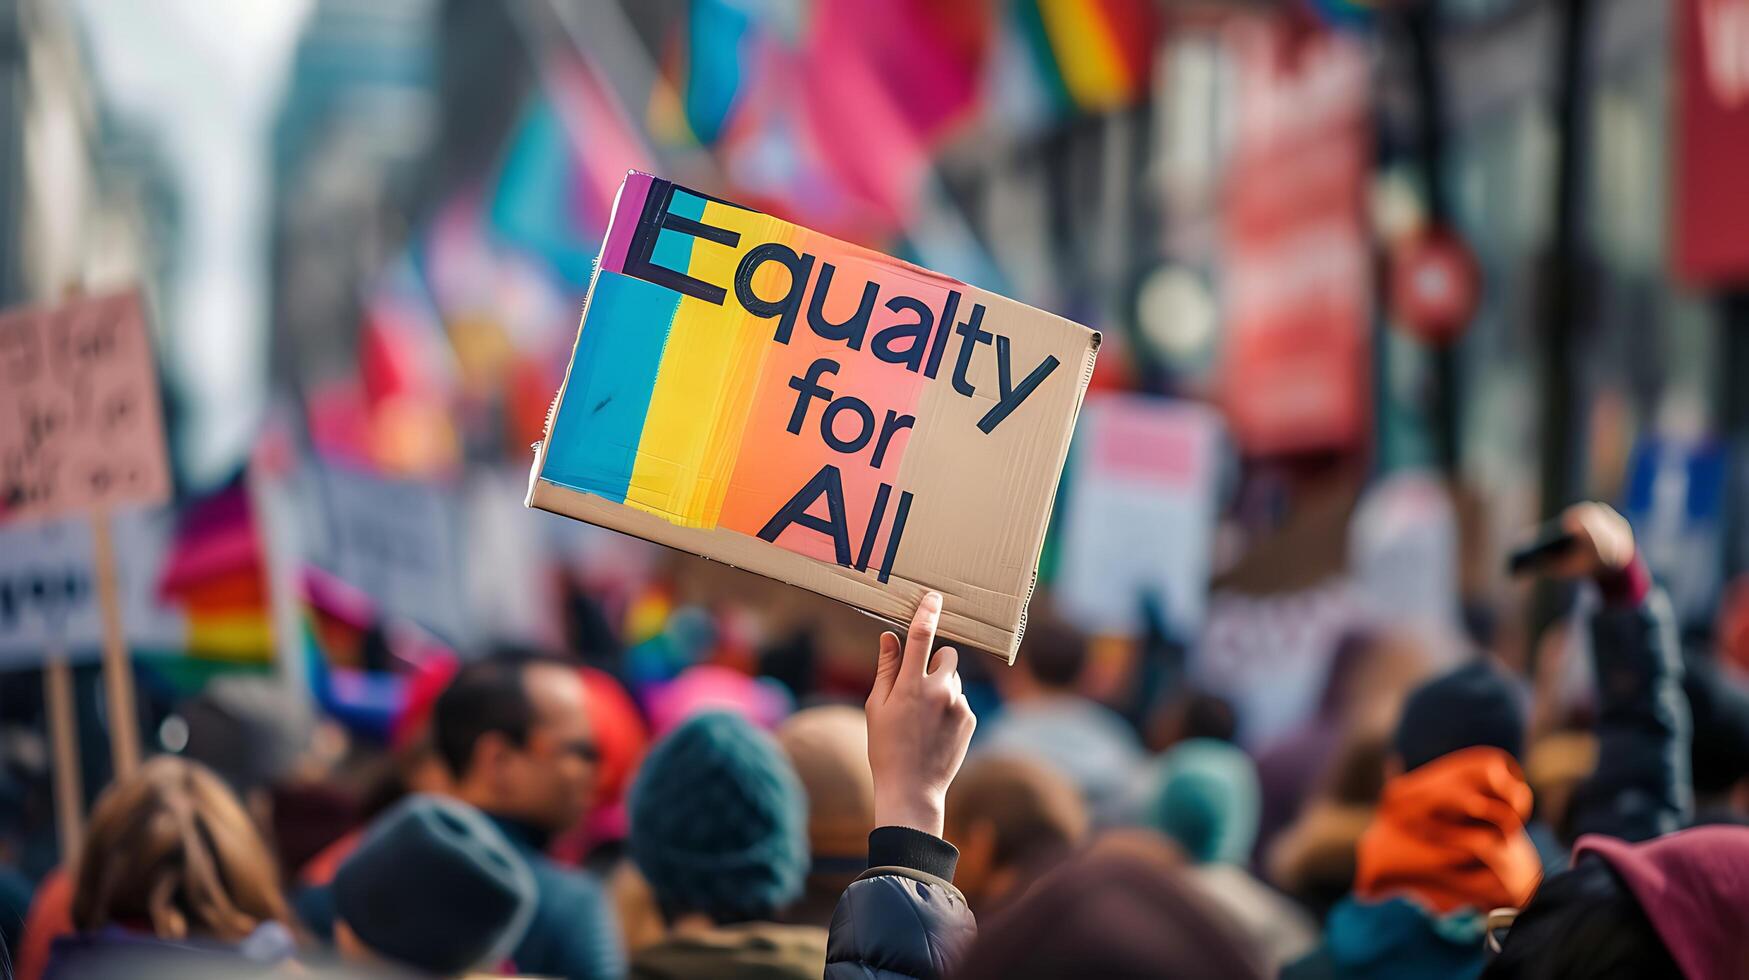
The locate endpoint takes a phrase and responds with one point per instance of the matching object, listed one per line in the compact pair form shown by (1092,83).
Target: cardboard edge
(892,603)
(1051,505)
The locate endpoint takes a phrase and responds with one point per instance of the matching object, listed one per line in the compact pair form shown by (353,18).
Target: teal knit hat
(719,822)
(1207,800)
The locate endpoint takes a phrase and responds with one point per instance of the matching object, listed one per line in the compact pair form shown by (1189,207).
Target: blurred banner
(1298,277)
(48,589)
(396,541)
(1141,515)
(1711,209)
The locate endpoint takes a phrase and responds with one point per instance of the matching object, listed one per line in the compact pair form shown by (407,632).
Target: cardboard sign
(397,541)
(80,427)
(1141,518)
(49,595)
(757,393)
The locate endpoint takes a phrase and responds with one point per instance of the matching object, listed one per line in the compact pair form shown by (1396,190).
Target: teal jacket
(1394,939)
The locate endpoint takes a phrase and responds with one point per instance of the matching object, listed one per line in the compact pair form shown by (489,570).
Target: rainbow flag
(1090,55)
(705,72)
(215,573)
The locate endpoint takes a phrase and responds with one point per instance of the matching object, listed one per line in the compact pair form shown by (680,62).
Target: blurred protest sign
(761,394)
(1298,273)
(81,433)
(1675,498)
(1710,198)
(396,541)
(48,589)
(1141,515)
(79,421)
(1403,554)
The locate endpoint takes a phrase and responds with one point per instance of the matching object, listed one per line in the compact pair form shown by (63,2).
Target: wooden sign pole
(62,711)
(118,675)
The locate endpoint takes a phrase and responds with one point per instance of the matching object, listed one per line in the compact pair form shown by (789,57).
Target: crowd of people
(536,819)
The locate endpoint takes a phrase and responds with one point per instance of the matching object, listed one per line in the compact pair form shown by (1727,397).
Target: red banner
(1298,271)
(1710,209)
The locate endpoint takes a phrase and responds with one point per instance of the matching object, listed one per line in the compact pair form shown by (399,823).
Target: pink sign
(80,426)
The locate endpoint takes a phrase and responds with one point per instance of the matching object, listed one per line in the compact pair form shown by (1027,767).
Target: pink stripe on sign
(628,207)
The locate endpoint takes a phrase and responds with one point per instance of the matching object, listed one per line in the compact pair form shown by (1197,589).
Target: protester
(1313,859)
(1669,907)
(515,736)
(1719,706)
(173,875)
(1447,844)
(1370,675)
(828,746)
(1013,819)
(903,917)
(1045,717)
(433,888)
(621,735)
(1642,786)
(1112,916)
(719,830)
(1207,803)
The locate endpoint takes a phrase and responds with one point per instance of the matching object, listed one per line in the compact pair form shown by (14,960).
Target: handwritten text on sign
(80,425)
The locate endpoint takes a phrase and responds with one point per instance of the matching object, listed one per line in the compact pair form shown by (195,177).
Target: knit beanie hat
(436,887)
(719,821)
(1473,705)
(1208,801)
(828,746)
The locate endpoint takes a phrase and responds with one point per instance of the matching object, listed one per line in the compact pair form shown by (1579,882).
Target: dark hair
(1209,716)
(1582,923)
(1054,652)
(489,695)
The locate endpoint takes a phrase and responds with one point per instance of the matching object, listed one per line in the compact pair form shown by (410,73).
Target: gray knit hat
(436,887)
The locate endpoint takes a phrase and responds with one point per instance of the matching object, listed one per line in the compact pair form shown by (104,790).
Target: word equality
(847,425)
(918,346)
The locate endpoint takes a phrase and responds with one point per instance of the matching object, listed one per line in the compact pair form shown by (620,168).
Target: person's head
(249,731)
(172,849)
(828,746)
(1208,801)
(1582,923)
(1719,754)
(1012,819)
(1053,655)
(1193,714)
(1472,706)
(513,732)
(719,824)
(1114,914)
(434,887)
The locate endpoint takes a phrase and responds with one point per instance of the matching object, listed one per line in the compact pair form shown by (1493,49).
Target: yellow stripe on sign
(704,386)
(1088,57)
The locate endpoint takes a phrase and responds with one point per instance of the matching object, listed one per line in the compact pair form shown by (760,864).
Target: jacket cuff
(1628,587)
(904,847)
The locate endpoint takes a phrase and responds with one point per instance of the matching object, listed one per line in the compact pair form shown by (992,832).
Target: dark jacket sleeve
(1642,787)
(903,918)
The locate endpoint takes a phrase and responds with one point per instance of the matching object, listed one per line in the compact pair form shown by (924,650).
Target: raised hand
(919,725)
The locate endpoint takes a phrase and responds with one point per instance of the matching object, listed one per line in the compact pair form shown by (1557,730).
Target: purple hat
(1694,886)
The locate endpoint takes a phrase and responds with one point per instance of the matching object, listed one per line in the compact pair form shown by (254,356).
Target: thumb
(886,669)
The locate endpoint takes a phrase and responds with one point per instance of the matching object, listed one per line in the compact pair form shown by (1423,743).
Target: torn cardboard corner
(760,394)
